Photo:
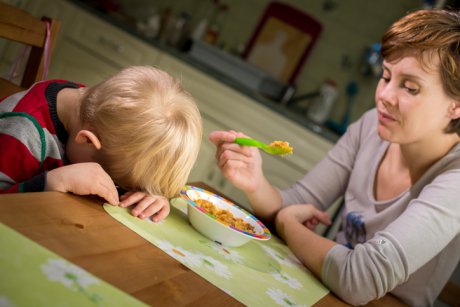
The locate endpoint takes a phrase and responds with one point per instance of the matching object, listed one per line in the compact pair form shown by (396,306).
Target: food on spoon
(284,146)
(224,216)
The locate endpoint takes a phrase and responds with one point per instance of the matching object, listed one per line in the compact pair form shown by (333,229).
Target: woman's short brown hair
(429,31)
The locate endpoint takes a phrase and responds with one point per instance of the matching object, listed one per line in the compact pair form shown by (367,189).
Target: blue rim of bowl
(265,236)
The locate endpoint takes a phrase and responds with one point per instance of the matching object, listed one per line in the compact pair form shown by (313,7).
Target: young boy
(139,130)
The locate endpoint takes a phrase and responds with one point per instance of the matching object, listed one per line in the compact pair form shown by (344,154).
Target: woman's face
(411,102)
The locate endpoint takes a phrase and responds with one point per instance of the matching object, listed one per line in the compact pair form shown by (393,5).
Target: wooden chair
(20,26)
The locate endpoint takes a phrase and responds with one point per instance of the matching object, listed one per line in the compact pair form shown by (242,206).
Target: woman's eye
(411,89)
(385,78)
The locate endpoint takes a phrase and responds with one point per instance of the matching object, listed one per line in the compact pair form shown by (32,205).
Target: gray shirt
(408,245)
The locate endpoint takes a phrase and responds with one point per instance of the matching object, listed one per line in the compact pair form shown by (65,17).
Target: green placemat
(31,275)
(259,273)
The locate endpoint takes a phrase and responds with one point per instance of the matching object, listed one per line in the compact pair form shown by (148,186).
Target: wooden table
(79,230)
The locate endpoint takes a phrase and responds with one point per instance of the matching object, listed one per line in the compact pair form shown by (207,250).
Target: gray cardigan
(409,245)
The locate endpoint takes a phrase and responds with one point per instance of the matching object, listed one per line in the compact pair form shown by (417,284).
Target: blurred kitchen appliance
(282,41)
(322,105)
(341,127)
(371,63)
(239,71)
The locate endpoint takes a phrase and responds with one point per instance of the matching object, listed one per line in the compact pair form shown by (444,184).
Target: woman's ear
(454,110)
(87,137)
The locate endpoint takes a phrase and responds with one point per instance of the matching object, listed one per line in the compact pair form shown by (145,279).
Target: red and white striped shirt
(32,138)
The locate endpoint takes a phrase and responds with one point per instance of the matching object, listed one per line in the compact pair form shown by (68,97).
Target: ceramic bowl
(209,226)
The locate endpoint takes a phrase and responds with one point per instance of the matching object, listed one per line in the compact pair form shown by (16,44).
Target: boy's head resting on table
(139,130)
(146,130)
(432,37)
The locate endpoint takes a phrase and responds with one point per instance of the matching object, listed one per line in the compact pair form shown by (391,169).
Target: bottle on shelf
(178,30)
(217,21)
(203,14)
(320,109)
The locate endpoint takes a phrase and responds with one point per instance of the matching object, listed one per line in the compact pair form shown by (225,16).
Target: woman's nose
(387,94)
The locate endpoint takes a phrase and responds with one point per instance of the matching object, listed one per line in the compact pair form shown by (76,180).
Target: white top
(409,245)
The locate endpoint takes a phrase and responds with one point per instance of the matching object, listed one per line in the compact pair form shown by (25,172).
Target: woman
(398,168)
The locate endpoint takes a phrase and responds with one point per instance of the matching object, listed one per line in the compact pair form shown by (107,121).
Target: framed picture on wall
(282,41)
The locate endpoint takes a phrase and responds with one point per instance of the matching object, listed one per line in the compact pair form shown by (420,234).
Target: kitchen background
(343,63)
(349,29)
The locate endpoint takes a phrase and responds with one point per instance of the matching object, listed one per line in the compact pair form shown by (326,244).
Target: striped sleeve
(22,155)
(31,140)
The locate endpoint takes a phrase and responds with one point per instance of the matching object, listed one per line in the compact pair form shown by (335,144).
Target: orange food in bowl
(224,216)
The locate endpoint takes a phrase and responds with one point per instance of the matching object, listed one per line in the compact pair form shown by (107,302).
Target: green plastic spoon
(275,148)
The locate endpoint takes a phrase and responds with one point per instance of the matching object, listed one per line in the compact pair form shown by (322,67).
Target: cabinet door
(74,63)
(111,42)
(205,168)
(279,173)
(59,9)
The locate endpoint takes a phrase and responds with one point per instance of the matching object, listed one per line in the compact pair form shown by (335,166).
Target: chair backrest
(40,34)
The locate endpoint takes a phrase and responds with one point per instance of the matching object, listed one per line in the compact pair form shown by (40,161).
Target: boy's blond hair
(149,127)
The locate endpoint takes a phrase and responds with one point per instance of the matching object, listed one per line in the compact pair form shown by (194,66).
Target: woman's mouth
(385,118)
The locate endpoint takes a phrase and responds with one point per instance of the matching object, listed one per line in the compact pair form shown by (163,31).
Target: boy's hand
(82,179)
(146,205)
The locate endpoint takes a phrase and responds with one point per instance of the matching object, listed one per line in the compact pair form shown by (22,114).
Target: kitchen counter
(128,25)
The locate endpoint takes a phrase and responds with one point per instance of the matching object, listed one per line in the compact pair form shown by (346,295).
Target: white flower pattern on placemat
(217,267)
(194,259)
(179,253)
(227,253)
(281,298)
(71,276)
(5,302)
(285,278)
(288,260)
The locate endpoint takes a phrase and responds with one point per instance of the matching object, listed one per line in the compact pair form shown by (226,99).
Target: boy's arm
(26,151)
(83,179)
(35,184)
(20,167)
